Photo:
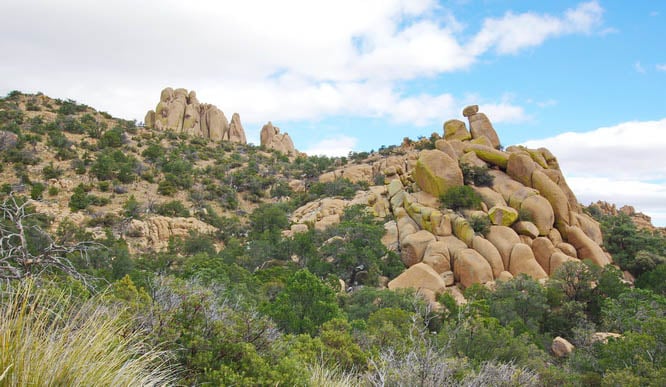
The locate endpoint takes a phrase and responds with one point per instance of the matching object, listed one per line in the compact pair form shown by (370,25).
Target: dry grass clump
(47,339)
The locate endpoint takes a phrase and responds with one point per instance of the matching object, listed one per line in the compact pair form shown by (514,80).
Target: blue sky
(585,78)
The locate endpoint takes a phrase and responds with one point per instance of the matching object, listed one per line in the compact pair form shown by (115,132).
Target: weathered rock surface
(436,172)
(419,276)
(456,130)
(561,347)
(271,138)
(480,125)
(522,261)
(414,246)
(470,267)
(182,112)
(153,233)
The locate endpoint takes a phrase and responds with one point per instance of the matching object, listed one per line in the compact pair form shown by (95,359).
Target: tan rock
(271,138)
(436,172)
(567,249)
(558,259)
(586,247)
(490,197)
(456,130)
(470,158)
(444,228)
(299,228)
(462,230)
(448,278)
(503,238)
(446,147)
(504,276)
(153,233)
(604,336)
(518,197)
(490,253)
(454,244)
(554,236)
(525,239)
(437,256)
(543,249)
(419,276)
(149,120)
(480,126)
(520,167)
(523,261)
(236,131)
(470,110)
(390,238)
(590,227)
(488,154)
(482,140)
(557,199)
(214,123)
(561,347)
(505,185)
(414,246)
(470,267)
(456,294)
(526,228)
(540,212)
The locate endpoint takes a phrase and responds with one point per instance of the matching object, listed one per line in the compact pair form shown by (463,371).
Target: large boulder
(271,138)
(557,199)
(590,227)
(503,238)
(437,256)
(488,154)
(502,215)
(523,261)
(456,130)
(480,125)
(561,347)
(543,249)
(586,247)
(520,167)
(436,172)
(453,244)
(526,228)
(490,197)
(236,132)
(505,185)
(490,253)
(470,267)
(414,246)
(540,212)
(419,276)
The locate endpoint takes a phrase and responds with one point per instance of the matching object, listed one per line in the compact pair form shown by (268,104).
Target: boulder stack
(271,138)
(181,112)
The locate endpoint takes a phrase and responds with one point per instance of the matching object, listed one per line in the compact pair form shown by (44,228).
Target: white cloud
(661,67)
(293,59)
(336,146)
(623,164)
(515,32)
(639,68)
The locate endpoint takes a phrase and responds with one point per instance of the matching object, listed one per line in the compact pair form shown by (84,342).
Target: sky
(586,79)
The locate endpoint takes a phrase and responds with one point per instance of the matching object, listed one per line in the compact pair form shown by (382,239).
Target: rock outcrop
(182,112)
(271,138)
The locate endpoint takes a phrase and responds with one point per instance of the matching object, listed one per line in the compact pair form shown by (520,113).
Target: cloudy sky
(585,79)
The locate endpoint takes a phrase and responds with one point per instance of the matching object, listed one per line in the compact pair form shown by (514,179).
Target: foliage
(460,197)
(478,176)
(480,224)
(304,304)
(55,340)
(172,208)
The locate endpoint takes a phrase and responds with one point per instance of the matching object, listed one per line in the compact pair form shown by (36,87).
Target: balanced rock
(436,172)
(479,125)
(470,110)
(271,138)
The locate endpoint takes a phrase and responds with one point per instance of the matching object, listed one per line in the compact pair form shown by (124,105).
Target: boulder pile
(536,223)
(182,112)
(271,138)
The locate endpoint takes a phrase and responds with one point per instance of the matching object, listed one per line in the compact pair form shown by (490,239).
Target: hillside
(458,218)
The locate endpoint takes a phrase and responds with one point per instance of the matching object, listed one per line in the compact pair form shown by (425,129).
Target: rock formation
(536,224)
(271,138)
(182,112)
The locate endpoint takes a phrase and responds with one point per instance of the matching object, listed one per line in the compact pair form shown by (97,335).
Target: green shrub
(480,224)
(51,172)
(478,176)
(172,208)
(80,199)
(460,197)
(37,190)
(53,190)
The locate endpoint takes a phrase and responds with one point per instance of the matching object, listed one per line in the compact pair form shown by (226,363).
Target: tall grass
(48,339)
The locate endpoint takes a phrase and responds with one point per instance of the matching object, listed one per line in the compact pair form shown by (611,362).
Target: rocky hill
(457,207)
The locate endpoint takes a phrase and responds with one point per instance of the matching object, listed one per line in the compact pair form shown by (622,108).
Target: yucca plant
(47,339)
